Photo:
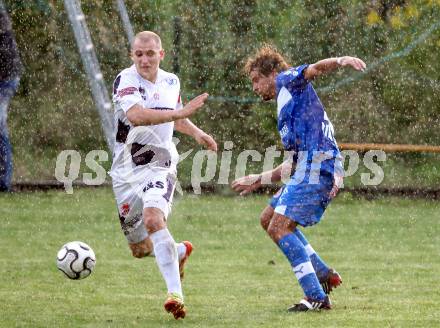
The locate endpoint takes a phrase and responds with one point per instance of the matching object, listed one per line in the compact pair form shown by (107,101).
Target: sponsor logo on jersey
(125,208)
(127,91)
(284,131)
(171,81)
(156,96)
(141,90)
(292,71)
(157,184)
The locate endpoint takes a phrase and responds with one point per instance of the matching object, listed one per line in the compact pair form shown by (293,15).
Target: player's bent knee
(265,221)
(138,254)
(272,230)
(292,226)
(154,220)
(141,250)
(279,226)
(266,217)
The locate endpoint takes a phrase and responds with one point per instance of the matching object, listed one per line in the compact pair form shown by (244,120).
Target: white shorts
(156,190)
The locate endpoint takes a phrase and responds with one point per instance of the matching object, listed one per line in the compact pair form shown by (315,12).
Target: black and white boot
(307,304)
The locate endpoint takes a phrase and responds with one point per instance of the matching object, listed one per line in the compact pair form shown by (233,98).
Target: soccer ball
(76,259)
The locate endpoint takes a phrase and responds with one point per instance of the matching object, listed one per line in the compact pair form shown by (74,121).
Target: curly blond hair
(266,60)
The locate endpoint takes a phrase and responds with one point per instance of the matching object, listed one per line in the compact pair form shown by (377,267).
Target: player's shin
(167,259)
(294,250)
(319,265)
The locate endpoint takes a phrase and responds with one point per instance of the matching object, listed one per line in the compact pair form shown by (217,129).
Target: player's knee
(276,229)
(154,220)
(265,220)
(291,226)
(272,230)
(140,251)
(266,217)
(280,226)
(137,253)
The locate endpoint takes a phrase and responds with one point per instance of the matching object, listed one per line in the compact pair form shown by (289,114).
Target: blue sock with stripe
(294,250)
(319,265)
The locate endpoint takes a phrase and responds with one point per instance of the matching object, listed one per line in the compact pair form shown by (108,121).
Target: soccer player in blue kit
(315,168)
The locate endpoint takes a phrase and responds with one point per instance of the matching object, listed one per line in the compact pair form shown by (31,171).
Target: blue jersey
(303,123)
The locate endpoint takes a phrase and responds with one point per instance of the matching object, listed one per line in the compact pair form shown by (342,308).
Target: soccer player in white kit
(147,110)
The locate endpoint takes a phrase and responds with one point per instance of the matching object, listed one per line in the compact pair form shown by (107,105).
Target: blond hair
(146,36)
(266,60)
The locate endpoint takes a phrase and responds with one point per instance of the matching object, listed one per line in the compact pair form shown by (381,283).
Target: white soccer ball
(76,259)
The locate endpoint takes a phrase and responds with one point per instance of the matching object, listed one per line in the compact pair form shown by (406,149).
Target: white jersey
(141,148)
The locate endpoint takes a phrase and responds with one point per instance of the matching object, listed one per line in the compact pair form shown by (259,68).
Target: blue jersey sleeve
(293,78)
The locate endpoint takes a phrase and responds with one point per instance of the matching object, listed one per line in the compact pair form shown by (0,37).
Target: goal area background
(396,101)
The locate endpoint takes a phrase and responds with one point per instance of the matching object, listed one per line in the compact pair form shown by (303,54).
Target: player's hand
(338,183)
(206,140)
(356,63)
(193,106)
(247,184)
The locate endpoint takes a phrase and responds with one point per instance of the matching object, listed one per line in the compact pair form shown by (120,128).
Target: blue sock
(295,252)
(319,265)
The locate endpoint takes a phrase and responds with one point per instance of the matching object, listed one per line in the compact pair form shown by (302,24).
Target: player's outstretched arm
(139,115)
(330,64)
(249,183)
(187,127)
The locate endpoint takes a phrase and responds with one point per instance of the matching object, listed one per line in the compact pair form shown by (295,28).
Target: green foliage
(396,101)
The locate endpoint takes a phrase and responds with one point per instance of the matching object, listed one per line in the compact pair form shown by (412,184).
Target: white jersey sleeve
(126,92)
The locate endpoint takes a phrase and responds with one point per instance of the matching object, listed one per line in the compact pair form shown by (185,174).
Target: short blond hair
(146,36)
(266,60)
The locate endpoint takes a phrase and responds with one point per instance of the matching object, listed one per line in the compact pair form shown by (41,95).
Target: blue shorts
(303,203)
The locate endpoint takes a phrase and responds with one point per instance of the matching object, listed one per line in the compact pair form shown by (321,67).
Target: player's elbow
(312,72)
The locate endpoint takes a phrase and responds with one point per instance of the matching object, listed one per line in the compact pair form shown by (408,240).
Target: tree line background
(396,101)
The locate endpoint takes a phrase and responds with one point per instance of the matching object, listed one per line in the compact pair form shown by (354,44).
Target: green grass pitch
(387,251)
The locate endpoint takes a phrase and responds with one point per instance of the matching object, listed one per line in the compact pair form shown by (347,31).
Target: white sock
(167,259)
(181,250)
